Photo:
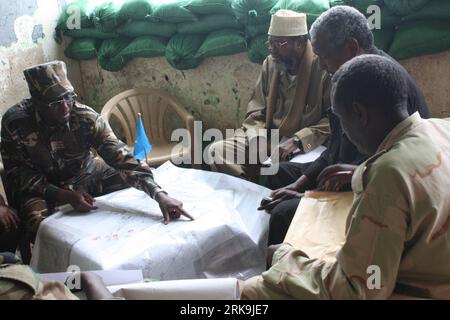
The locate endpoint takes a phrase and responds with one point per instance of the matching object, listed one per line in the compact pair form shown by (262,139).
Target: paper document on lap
(227,239)
(302,158)
(318,227)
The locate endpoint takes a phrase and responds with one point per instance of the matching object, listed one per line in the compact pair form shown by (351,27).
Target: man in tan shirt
(291,95)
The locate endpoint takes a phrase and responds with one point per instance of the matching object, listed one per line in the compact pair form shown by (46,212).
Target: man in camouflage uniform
(400,218)
(20,282)
(46,144)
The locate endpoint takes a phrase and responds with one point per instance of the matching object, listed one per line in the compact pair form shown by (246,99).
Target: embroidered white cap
(288,23)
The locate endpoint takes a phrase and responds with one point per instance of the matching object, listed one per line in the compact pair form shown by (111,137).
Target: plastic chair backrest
(153,105)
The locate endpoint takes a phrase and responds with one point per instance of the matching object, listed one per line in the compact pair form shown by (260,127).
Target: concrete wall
(217,92)
(26,39)
(432,74)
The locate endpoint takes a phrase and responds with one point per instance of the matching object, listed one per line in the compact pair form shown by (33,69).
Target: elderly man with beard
(291,94)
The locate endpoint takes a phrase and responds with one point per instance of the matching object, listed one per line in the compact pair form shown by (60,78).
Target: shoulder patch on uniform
(358,183)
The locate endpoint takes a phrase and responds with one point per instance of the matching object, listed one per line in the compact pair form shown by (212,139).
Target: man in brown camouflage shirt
(46,144)
(20,282)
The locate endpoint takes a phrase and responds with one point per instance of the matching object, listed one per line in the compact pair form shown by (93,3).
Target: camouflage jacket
(39,158)
(20,282)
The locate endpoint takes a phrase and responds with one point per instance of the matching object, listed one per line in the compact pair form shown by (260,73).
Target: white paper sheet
(109,277)
(198,289)
(302,158)
(227,239)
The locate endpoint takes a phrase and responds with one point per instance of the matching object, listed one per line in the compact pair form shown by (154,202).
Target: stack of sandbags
(409,28)
(252,12)
(88,33)
(312,8)
(388,21)
(222,43)
(153,28)
(257,49)
(188,31)
(216,32)
(424,27)
(187,51)
(182,49)
(69,18)
(185,31)
(255,16)
(109,54)
(106,16)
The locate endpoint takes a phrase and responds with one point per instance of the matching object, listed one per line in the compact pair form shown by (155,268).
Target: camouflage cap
(48,81)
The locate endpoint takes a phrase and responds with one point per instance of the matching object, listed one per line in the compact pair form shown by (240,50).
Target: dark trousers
(280,220)
(288,173)
(283,213)
(9,241)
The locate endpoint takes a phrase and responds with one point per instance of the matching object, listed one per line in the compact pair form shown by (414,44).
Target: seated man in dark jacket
(338,35)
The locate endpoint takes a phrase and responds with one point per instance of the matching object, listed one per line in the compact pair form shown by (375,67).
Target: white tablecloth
(227,239)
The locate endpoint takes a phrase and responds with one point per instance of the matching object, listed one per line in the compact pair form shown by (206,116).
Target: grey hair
(342,23)
(372,80)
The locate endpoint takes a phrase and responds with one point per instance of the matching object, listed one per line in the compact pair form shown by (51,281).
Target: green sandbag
(109,56)
(257,50)
(406,7)
(334,3)
(312,8)
(383,38)
(82,49)
(254,30)
(388,18)
(208,24)
(362,5)
(434,10)
(206,7)
(222,43)
(172,11)
(71,8)
(145,46)
(181,49)
(252,11)
(147,28)
(90,33)
(419,38)
(106,17)
(68,16)
(135,9)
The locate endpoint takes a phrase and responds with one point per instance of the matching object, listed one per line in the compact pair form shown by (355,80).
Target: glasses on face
(276,44)
(69,99)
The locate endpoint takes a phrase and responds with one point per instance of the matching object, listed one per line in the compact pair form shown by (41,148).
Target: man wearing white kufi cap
(291,94)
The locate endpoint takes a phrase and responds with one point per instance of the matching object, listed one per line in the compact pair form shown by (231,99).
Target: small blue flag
(142,145)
